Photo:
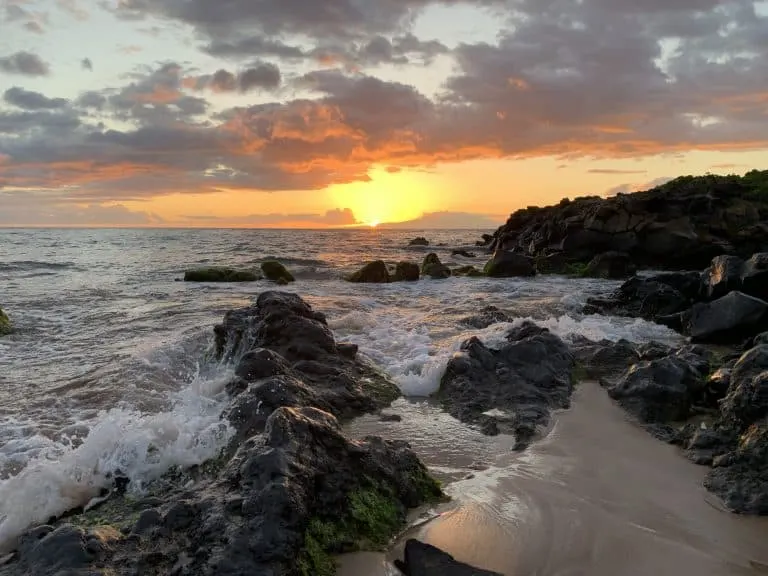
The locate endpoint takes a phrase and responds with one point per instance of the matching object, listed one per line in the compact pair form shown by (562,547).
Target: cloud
(448,220)
(86,64)
(33,21)
(262,75)
(332,218)
(73,8)
(29,100)
(24,63)
(614,171)
(130,49)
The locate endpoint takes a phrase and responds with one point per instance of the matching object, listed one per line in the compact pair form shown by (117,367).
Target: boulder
(555,263)
(510,390)
(506,264)
(641,297)
(419,241)
(276,272)
(463,253)
(610,265)
(219,275)
(406,272)
(433,268)
(487,316)
(6,327)
(732,318)
(372,273)
(469,271)
(754,276)
(605,360)
(422,559)
(722,276)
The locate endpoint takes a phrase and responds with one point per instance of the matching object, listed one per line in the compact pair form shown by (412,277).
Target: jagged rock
(732,318)
(610,265)
(219,275)
(372,273)
(433,268)
(6,327)
(487,316)
(643,297)
(605,359)
(276,272)
(422,559)
(556,263)
(419,241)
(722,276)
(406,272)
(754,276)
(505,264)
(464,253)
(510,390)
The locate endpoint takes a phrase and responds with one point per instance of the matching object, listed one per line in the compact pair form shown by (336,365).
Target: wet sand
(597,496)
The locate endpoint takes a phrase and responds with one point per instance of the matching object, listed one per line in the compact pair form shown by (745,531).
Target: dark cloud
(24,63)
(262,76)
(86,64)
(29,100)
(265,76)
(254,46)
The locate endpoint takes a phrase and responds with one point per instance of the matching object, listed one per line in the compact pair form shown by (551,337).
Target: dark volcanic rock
(722,276)
(219,275)
(513,389)
(643,297)
(469,271)
(610,265)
(372,273)
(406,272)
(433,268)
(422,559)
(682,224)
(275,271)
(732,318)
(419,241)
(754,276)
(605,359)
(487,316)
(555,263)
(464,253)
(505,264)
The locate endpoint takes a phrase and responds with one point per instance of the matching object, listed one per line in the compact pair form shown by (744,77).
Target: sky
(333,113)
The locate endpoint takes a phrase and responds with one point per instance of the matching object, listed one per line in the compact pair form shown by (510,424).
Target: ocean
(110,367)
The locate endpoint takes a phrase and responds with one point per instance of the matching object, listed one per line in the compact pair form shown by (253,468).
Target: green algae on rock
(275,271)
(433,268)
(216,274)
(6,326)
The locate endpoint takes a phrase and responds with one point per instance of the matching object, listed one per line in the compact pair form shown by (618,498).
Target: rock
(469,271)
(641,297)
(390,417)
(406,272)
(722,276)
(731,318)
(754,276)
(747,398)
(6,327)
(276,272)
(487,316)
(463,253)
(605,359)
(486,239)
(219,275)
(422,559)
(663,390)
(761,339)
(505,264)
(433,268)
(610,265)
(419,241)
(556,263)
(63,550)
(372,273)
(510,390)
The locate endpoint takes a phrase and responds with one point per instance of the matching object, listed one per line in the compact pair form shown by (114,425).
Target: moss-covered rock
(469,271)
(219,275)
(275,271)
(432,267)
(406,272)
(6,327)
(372,273)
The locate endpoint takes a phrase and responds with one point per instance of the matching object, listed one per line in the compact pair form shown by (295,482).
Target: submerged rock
(276,272)
(406,272)
(505,264)
(469,271)
(422,559)
(487,316)
(419,241)
(433,268)
(6,327)
(219,275)
(464,253)
(372,273)
(611,266)
(512,389)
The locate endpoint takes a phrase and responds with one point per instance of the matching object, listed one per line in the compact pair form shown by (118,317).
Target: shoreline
(597,495)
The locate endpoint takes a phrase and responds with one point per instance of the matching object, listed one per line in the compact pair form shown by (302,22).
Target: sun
(373,224)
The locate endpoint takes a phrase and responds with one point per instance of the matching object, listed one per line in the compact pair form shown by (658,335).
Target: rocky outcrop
(506,264)
(510,390)
(422,559)
(419,241)
(611,266)
(433,268)
(406,272)
(276,272)
(372,273)
(219,275)
(288,493)
(6,327)
(682,224)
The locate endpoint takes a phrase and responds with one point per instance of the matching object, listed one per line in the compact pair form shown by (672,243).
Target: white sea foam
(141,446)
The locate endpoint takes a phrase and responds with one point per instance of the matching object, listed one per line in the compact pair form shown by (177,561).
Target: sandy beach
(597,495)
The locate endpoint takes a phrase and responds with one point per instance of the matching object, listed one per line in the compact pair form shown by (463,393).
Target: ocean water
(108,367)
